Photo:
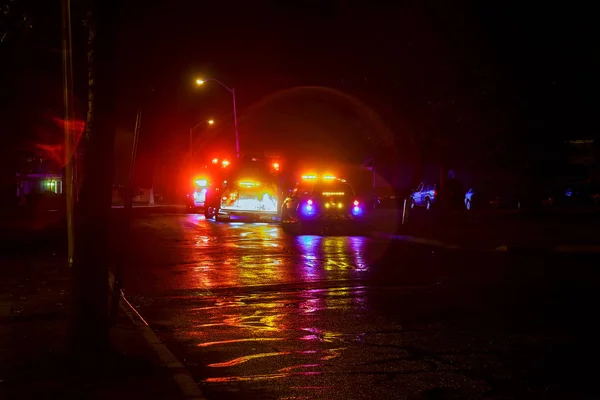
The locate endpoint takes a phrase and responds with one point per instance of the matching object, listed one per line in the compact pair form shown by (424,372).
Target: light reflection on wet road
(243,303)
(206,255)
(254,313)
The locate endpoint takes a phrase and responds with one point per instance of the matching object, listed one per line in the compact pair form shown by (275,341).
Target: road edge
(182,377)
(571,249)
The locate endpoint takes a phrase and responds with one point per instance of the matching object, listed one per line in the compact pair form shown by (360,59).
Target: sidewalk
(492,231)
(34,314)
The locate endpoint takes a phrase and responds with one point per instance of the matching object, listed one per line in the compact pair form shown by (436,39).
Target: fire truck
(249,188)
(206,177)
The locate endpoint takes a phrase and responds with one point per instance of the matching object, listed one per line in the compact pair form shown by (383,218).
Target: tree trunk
(92,248)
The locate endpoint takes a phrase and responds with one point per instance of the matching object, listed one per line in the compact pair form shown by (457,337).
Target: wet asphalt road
(254,313)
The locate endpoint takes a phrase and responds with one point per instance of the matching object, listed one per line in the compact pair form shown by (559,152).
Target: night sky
(493,79)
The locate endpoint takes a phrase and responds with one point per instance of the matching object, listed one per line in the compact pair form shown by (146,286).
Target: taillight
(308,208)
(356,210)
(435,192)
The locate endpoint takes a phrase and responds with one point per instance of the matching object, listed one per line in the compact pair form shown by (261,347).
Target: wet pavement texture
(255,313)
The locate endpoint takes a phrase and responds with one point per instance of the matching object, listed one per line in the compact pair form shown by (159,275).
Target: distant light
(201,182)
(340,205)
(276,165)
(355,202)
(199,82)
(326,205)
(215,160)
(211,121)
(333,193)
(309,201)
(308,177)
(309,208)
(356,210)
(328,177)
(225,163)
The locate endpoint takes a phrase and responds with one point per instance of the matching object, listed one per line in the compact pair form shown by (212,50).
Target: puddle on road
(206,344)
(228,379)
(240,360)
(290,333)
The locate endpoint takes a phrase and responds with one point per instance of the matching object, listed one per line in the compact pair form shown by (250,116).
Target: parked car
(491,195)
(425,195)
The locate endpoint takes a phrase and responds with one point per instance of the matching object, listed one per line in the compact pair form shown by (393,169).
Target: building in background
(37,174)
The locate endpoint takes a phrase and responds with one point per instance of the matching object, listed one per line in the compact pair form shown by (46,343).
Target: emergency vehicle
(208,175)
(249,189)
(322,202)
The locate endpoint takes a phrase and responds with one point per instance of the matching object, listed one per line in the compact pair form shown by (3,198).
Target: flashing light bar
(333,193)
(201,182)
(309,177)
(249,183)
(328,177)
(225,163)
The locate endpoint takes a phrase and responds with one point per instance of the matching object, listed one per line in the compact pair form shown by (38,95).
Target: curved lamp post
(200,82)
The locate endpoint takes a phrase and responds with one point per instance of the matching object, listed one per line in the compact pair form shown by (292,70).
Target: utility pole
(235,121)
(92,247)
(67,63)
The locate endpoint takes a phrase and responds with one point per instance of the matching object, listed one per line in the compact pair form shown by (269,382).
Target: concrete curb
(188,386)
(178,206)
(413,239)
(571,249)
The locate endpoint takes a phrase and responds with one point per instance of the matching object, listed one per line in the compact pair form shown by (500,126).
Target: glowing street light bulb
(199,82)
(211,121)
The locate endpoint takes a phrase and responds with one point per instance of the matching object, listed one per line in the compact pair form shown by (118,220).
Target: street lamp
(200,82)
(208,121)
